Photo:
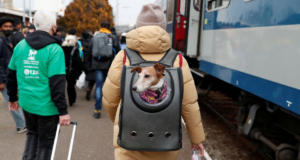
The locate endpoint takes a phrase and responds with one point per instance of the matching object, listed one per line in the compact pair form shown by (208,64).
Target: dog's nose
(134,88)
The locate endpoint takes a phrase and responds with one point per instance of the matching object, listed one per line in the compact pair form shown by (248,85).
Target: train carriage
(253,46)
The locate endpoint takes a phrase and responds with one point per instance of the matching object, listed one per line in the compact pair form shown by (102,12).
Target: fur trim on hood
(70,41)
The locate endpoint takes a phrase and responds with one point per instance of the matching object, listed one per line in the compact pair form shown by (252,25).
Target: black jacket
(74,66)
(90,75)
(5,55)
(117,37)
(103,62)
(38,40)
(85,42)
(16,37)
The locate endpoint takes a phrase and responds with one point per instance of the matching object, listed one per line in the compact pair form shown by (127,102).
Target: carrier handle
(71,143)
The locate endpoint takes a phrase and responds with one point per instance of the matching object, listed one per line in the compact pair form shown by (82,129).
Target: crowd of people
(36,67)
(78,56)
(75,64)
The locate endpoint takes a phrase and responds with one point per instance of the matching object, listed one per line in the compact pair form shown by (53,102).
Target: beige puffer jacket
(151,42)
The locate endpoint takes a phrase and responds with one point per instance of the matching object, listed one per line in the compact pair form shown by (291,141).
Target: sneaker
(97,114)
(88,95)
(22,130)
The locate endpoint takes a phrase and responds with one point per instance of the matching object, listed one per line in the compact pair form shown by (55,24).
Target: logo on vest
(26,71)
(32,54)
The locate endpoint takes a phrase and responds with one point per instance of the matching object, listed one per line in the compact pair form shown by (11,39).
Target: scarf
(153,97)
(105,30)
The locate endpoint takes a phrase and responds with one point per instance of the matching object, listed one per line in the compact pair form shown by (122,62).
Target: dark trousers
(91,85)
(71,90)
(40,136)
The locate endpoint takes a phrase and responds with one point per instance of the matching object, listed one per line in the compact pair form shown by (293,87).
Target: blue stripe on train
(256,13)
(271,91)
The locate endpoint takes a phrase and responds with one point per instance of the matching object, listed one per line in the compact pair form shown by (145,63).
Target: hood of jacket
(70,40)
(86,35)
(148,39)
(41,39)
(114,33)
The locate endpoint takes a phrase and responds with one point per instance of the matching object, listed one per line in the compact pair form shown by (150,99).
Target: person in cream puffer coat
(152,42)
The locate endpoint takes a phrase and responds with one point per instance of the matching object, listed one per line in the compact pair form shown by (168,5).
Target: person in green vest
(37,69)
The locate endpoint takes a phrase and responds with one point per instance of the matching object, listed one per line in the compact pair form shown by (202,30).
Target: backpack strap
(168,58)
(133,56)
(180,60)
(124,59)
(71,59)
(80,48)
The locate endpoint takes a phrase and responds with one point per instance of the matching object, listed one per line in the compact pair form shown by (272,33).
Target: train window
(217,4)
(197,4)
(182,7)
(170,10)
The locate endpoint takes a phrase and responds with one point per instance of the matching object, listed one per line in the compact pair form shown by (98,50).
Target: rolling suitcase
(71,143)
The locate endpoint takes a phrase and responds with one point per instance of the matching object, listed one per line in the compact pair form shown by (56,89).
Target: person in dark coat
(74,64)
(90,76)
(16,36)
(59,31)
(31,29)
(101,65)
(113,31)
(123,41)
(6,51)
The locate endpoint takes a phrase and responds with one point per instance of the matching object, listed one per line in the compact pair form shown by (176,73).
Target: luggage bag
(71,143)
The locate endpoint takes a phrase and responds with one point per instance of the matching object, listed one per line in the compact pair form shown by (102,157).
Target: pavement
(93,138)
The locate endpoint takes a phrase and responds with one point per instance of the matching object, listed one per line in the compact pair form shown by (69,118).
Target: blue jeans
(100,79)
(17,115)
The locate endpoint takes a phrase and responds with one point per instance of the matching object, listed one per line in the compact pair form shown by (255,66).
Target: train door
(193,31)
(171,19)
(179,25)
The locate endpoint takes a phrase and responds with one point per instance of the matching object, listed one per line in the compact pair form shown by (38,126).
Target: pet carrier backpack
(151,127)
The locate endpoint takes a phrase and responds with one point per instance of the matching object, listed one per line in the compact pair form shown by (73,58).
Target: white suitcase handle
(71,143)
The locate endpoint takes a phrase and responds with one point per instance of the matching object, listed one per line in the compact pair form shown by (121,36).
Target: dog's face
(148,77)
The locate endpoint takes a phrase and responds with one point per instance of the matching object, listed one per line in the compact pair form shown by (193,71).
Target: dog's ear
(159,68)
(138,69)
